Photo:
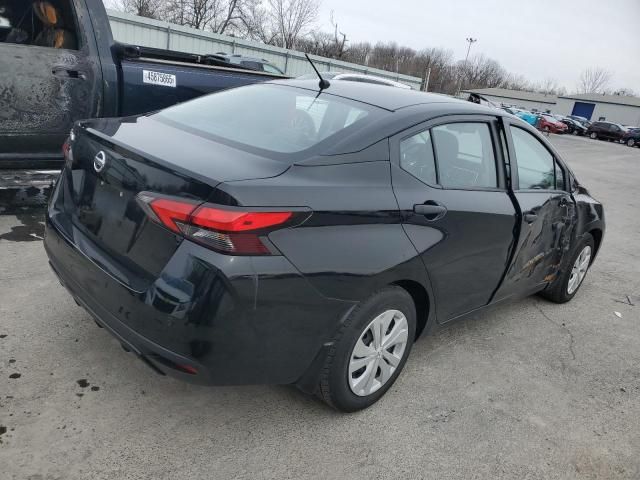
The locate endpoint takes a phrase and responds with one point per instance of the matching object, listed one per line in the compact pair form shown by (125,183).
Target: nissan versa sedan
(285,234)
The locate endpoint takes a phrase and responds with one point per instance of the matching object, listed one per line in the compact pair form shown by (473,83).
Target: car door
(46,81)
(615,132)
(547,213)
(449,181)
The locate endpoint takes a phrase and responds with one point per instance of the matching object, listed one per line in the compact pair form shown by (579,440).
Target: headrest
(47,13)
(446,143)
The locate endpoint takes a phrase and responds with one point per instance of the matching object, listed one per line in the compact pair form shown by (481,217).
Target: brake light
(172,213)
(227,230)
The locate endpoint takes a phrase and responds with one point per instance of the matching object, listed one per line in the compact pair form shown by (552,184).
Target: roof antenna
(323,83)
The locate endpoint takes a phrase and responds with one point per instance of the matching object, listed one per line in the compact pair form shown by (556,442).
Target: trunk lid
(95,205)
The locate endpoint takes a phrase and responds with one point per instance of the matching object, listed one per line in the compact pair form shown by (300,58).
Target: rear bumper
(209,318)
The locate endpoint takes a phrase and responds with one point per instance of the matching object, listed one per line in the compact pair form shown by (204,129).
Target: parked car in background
(573,126)
(355,77)
(253,63)
(223,245)
(528,117)
(606,131)
(550,124)
(632,137)
(584,121)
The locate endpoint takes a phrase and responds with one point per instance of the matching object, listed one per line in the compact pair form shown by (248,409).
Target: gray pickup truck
(59,63)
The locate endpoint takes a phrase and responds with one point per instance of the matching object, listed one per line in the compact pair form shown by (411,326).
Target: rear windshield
(275,118)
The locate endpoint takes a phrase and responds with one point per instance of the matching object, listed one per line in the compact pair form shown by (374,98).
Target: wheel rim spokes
(579,270)
(378,352)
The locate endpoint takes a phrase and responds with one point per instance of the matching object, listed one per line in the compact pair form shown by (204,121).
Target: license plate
(158,78)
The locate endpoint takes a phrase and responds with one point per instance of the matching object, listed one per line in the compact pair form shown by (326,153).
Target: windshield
(275,118)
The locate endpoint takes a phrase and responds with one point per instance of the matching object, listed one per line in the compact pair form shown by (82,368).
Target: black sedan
(278,233)
(573,126)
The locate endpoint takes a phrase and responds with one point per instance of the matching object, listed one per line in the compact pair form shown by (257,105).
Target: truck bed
(153,79)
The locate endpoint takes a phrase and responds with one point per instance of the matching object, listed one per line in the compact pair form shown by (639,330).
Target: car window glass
(42,24)
(289,120)
(416,157)
(251,65)
(559,177)
(464,152)
(535,162)
(271,69)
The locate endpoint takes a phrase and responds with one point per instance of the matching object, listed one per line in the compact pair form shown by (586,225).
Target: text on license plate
(158,78)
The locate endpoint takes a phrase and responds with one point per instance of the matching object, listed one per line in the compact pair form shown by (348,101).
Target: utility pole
(470,41)
(427,76)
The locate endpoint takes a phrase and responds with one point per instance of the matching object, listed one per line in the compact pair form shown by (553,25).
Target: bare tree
(359,53)
(324,44)
(481,72)
(594,80)
(220,16)
(625,92)
(289,20)
(142,8)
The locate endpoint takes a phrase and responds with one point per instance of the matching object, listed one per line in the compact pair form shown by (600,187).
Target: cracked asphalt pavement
(528,390)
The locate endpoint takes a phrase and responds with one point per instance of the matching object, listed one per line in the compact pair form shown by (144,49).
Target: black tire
(333,387)
(557,291)
(575,131)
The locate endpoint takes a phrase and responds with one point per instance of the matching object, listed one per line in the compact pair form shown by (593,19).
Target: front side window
(465,156)
(271,118)
(537,169)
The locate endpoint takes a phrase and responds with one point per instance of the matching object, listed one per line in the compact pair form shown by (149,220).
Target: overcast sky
(536,38)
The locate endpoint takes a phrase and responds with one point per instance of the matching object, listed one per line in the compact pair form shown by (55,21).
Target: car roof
(382,96)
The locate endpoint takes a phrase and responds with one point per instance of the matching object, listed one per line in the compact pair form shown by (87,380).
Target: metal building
(516,98)
(612,108)
(147,32)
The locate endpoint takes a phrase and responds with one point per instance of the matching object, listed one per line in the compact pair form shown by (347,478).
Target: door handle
(431,210)
(530,217)
(65,73)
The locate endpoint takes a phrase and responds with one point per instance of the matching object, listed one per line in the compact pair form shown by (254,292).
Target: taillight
(234,231)
(67,152)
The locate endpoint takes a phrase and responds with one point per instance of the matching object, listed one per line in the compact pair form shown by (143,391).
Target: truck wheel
(593,135)
(369,351)
(572,272)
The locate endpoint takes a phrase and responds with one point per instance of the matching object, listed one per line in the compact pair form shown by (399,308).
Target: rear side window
(272,118)
(465,155)
(456,155)
(537,169)
(416,157)
(271,69)
(251,65)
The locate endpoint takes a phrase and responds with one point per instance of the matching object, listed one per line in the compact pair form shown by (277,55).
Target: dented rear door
(42,92)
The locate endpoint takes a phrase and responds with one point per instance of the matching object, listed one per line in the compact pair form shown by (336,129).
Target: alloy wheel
(579,270)
(378,352)
(631,142)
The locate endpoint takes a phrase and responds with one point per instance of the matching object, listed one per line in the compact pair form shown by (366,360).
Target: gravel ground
(528,390)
